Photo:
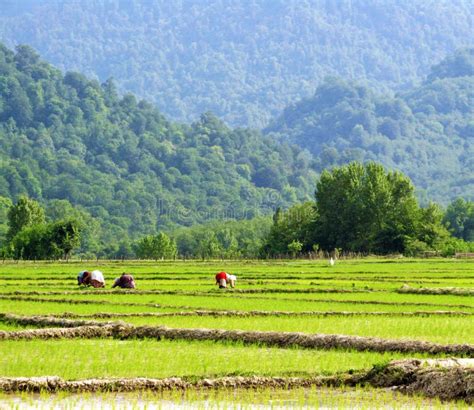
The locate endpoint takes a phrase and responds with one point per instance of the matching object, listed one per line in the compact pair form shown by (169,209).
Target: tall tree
(5,205)
(459,218)
(46,241)
(291,230)
(364,208)
(209,246)
(63,237)
(156,247)
(25,213)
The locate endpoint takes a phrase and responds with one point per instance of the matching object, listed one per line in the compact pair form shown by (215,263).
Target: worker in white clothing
(97,279)
(231,279)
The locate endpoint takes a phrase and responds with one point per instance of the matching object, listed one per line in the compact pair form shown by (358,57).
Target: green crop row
(445,330)
(251,269)
(78,359)
(145,303)
(45,308)
(367,286)
(273,300)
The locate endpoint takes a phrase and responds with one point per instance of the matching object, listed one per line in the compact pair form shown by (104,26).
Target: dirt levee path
(446,379)
(96,329)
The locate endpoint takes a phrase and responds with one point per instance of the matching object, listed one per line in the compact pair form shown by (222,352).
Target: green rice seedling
(232,302)
(445,330)
(366,286)
(46,308)
(375,297)
(79,359)
(9,327)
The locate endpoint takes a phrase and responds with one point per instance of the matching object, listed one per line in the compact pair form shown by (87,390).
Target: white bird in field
(331,262)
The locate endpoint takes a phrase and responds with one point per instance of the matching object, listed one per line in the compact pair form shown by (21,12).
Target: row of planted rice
(357,298)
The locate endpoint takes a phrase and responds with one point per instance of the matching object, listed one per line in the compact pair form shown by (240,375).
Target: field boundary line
(6,296)
(191,293)
(350,301)
(94,302)
(264,313)
(79,301)
(445,379)
(279,339)
(45,321)
(436,291)
(101,302)
(54,384)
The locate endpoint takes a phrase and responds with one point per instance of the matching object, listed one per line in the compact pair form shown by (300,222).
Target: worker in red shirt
(221,280)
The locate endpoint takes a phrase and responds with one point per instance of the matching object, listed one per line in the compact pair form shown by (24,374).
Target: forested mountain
(426,132)
(65,137)
(243,60)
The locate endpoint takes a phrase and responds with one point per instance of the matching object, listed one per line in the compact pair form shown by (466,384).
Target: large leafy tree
(63,237)
(62,210)
(5,205)
(25,213)
(31,243)
(209,246)
(159,246)
(46,241)
(291,230)
(459,218)
(364,208)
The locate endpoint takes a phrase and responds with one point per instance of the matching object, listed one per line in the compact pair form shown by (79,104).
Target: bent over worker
(97,279)
(125,281)
(84,278)
(221,280)
(231,279)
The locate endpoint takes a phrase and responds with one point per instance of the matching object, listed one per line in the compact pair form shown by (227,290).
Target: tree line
(357,208)
(29,236)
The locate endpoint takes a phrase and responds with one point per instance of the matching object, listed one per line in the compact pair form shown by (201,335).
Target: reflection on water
(275,399)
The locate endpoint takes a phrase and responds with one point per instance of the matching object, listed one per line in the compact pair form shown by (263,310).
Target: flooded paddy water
(312,398)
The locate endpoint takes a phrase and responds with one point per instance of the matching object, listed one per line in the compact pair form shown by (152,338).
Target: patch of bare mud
(446,379)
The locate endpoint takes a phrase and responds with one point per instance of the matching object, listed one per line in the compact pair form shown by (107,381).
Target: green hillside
(426,132)
(119,159)
(243,60)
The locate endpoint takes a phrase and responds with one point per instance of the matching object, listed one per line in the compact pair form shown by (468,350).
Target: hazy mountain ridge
(245,61)
(426,132)
(67,137)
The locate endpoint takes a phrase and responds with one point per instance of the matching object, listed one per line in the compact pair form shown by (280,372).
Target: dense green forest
(243,60)
(128,170)
(427,131)
(111,176)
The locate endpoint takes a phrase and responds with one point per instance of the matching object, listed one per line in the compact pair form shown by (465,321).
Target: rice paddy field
(285,328)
